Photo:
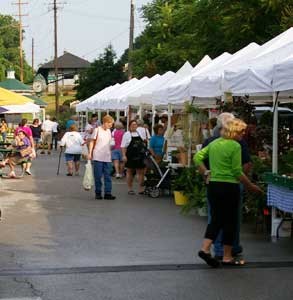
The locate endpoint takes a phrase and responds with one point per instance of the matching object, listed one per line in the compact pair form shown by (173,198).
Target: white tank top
(102,150)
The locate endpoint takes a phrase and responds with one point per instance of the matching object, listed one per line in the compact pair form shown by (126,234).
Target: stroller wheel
(154,192)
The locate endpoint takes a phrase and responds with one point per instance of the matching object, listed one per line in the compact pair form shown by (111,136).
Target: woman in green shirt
(225,174)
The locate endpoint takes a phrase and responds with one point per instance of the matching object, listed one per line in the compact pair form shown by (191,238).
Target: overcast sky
(85,27)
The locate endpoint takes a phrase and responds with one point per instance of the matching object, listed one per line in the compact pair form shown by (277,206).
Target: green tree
(9,49)
(180,30)
(102,73)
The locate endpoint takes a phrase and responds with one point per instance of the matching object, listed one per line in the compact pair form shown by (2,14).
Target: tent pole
(169,116)
(117,115)
(189,151)
(99,115)
(275,220)
(86,116)
(153,117)
(140,112)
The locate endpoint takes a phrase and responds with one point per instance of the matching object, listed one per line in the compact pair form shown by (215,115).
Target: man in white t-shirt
(47,129)
(55,133)
(100,154)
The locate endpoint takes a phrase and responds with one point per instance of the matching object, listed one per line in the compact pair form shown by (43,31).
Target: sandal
(131,192)
(207,257)
(234,262)
(12,175)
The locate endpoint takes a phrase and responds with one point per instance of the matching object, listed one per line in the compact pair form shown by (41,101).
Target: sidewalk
(49,221)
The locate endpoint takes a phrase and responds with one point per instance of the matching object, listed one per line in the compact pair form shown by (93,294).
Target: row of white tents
(255,70)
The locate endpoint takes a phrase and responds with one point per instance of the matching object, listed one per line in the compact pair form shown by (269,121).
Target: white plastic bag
(88,177)
(84,152)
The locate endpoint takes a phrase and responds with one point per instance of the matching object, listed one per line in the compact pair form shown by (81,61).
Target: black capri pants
(224,200)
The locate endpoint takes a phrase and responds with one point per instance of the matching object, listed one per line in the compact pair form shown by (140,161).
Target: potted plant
(191,185)
(179,187)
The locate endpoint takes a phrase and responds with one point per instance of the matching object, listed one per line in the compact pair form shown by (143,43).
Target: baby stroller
(158,177)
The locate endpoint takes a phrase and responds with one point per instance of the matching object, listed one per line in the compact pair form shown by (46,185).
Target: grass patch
(51,102)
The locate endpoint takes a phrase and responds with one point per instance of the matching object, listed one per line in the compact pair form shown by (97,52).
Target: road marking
(138,268)
(20,299)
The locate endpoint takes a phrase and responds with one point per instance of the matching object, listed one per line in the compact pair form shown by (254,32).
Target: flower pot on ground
(180,198)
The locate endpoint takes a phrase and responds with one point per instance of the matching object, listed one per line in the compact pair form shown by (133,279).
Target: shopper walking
(55,130)
(72,141)
(117,158)
(100,154)
(36,129)
(47,128)
(3,130)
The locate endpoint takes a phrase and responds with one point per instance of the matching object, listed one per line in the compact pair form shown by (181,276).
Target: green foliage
(102,73)
(255,203)
(180,30)
(9,49)
(191,183)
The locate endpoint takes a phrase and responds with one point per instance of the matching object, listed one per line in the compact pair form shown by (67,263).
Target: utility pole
(131,37)
(56,60)
(20,15)
(33,56)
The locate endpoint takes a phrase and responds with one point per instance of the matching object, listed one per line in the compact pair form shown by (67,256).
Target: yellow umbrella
(10,98)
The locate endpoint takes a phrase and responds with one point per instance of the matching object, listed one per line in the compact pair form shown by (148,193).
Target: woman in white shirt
(73,142)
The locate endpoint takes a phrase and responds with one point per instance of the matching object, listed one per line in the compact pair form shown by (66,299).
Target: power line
(20,15)
(103,45)
(106,18)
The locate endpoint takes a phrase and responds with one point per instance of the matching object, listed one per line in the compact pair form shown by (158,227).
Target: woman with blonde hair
(225,175)
(73,141)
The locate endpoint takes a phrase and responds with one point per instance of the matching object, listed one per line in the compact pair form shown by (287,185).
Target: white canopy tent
(256,76)
(283,75)
(88,103)
(146,93)
(178,92)
(133,98)
(117,100)
(209,82)
(21,109)
(160,96)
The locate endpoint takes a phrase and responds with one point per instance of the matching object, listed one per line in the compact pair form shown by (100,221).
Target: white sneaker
(118,176)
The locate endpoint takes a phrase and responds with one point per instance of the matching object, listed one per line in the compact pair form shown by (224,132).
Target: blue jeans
(3,134)
(102,169)
(218,244)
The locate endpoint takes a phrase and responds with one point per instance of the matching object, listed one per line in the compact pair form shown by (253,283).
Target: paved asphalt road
(57,242)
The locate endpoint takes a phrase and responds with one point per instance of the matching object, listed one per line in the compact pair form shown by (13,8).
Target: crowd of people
(223,161)
(28,139)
